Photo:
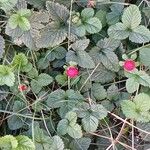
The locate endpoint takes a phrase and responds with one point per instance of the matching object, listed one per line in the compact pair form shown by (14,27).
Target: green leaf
(90,123)
(19,61)
(112,92)
(110,60)
(132,85)
(143,78)
(98,91)
(8,142)
(129,109)
(146,11)
(72,118)
(75,131)
(80,56)
(61,79)
(24,143)
(24,24)
(142,101)
(84,60)
(138,109)
(80,45)
(44,79)
(118,31)
(57,143)
(7,5)
(87,13)
(105,56)
(101,15)
(2,46)
(131,17)
(13,21)
(16,122)
(69,125)
(52,35)
(144,56)
(102,75)
(58,53)
(80,144)
(42,142)
(140,34)
(93,25)
(24,12)
(62,127)
(115,15)
(7,77)
(55,99)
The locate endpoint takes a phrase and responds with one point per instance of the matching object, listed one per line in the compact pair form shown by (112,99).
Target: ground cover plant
(74,75)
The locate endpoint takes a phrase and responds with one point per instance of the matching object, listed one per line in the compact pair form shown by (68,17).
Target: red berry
(129,65)
(22,87)
(72,72)
(91,3)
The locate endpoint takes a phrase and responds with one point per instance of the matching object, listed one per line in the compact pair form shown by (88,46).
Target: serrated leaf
(7,77)
(2,46)
(115,15)
(93,25)
(146,11)
(62,127)
(24,24)
(80,44)
(110,60)
(118,31)
(102,75)
(44,79)
(80,144)
(87,13)
(140,34)
(57,11)
(108,44)
(7,5)
(98,91)
(16,122)
(131,17)
(19,61)
(132,85)
(84,60)
(72,118)
(8,142)
(81,57)
(3,92)
(144,56)
(58,53)
(51,36)
(75,131)
(90,123)
(101,15)
(24,143)
(142,101)
(112,92)
(138,109)
(55,99)
(129,109)
(57,143)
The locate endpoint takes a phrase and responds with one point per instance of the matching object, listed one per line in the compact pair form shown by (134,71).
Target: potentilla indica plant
(74,75)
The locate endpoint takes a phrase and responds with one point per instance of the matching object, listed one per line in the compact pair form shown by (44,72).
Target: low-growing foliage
(74,75)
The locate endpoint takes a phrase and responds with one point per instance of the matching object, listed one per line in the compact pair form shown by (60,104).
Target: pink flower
(129,65)
(72,72)
(22,87)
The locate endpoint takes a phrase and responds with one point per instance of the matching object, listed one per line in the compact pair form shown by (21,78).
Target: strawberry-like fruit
(72,72)
(22,87)
(129,65)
